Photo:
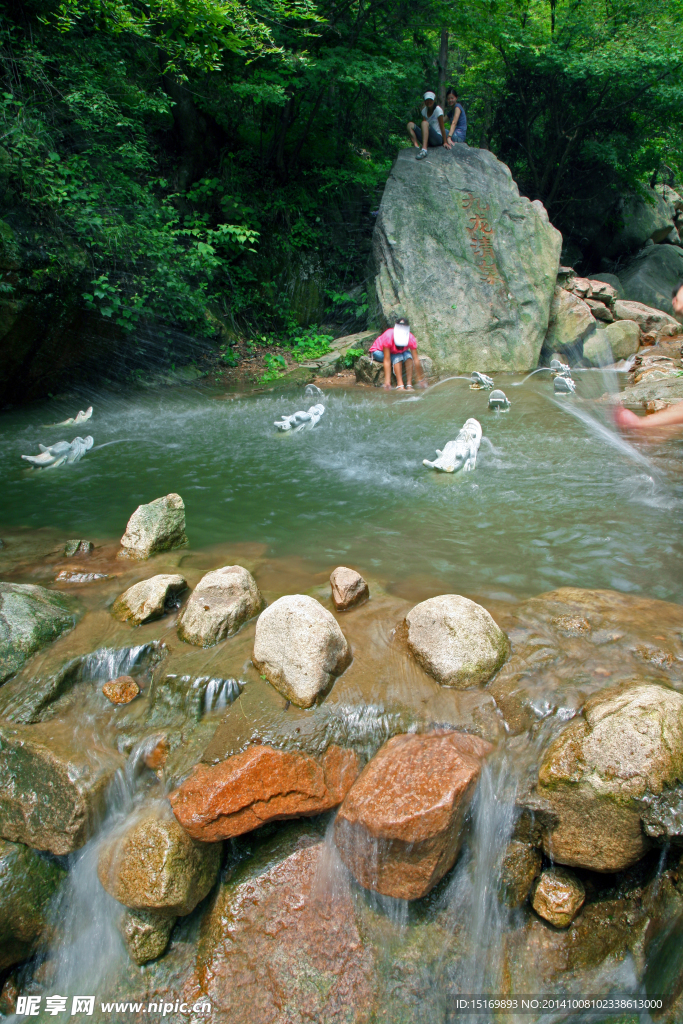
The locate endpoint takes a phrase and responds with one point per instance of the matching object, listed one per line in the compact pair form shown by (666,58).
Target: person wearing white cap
(432,131)
(396,346)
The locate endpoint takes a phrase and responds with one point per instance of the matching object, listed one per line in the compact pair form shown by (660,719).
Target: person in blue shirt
(455,113)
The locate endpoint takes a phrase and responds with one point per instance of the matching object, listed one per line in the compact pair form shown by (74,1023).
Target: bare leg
(412,135)
(418,367)
(425,134)
(387,368)
(399,375)
(409,372)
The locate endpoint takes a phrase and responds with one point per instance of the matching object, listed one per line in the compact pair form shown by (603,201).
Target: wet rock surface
(220,603)
(279,943)
(619,340)
(628,743)
(300,648)
(400,828)
(151,864)
(158,526)
(30,618)
(122,690)
(149,599)
(28,881)
(145,934)
(456,640)
(521,866)
(348,588)
(570,321)
(558,896)
(261,785)
(52,786)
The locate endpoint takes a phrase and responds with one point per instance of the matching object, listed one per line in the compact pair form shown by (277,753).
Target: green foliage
(351,355)
(275,367)
(310,345)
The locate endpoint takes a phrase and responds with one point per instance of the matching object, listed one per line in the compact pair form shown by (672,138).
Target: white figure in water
(312,391)
(75,421)
(561,369)
(301,420)
(480,380)
(60,454)
(461,453)
(564,386)
(499,400)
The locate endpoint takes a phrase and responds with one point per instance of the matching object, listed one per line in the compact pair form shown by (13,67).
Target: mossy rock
(28,881)
(30,618)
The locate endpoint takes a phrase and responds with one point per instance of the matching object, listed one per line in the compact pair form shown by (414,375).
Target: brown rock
(348,588)
(599,310)
(259,785)
(521,866)
(581,286)
(122,690)
(558,897)
(399,829)
(604,291)
(277,946)
(156,756)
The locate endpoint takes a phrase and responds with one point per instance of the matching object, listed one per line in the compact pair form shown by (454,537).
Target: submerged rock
(348,588)
(28,881)
(122,690)
(281,934)
(259,785)
(507,252)
(627,744)
(521,866)
(456,640)
(30,618)
(222,601)
(558,896)
(75,547)
(52,786)
(300,648)
(152,864)
(158,526)
(400,827)
(145,933)
(149,599)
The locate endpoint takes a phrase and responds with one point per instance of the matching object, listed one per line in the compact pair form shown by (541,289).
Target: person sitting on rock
(671,417)
(397,345)
(432,131)
(455,112)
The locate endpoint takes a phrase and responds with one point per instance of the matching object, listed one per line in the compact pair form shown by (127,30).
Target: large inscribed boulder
(466,259)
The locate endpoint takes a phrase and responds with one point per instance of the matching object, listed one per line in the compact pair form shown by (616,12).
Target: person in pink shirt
(394,348)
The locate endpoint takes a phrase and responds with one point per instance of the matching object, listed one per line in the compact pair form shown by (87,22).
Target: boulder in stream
(617,341)
(158,526)
(558,896)
(469,262)
(627,745)
(28,881)
(146,933)
(649,319)
(400,828)
(30,618)
(222,601)
(261,784)
(152,864)
(348,588)
(149,599)
(571,321)
(456,640)
(300,648)
(52,785)
(520,868)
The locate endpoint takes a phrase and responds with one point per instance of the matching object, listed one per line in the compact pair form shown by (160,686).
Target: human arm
(627,420)
(442,128)
(454,124)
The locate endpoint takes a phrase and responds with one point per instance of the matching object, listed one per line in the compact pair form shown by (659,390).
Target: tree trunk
(443,62)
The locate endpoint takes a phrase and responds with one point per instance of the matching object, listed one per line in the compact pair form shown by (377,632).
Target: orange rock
(122,690)
(259,785)
(157,756)
(400,828)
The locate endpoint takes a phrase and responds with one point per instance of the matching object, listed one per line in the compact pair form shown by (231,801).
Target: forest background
(214,165)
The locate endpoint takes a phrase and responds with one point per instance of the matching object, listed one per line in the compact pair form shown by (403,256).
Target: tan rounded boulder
(259,785)
(348,588)
(149,599)
(153,864)
(300,648)
(222,601)
(627,744)
(456,641)
(558,896)
(400,828)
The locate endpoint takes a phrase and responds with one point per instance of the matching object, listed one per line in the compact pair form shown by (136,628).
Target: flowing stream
(557,499)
